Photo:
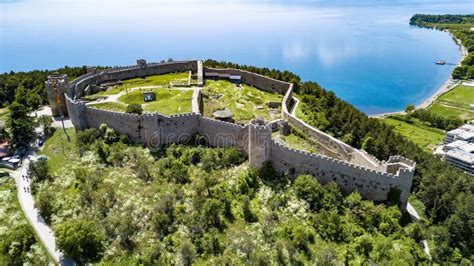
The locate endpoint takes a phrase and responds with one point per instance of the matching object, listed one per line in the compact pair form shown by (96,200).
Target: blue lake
(364,51)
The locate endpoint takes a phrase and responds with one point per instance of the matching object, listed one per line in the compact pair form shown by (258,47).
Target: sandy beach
(448,85)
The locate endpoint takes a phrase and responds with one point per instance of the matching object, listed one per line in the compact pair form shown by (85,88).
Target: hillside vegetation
(445,192)
(18,243)
(192,204)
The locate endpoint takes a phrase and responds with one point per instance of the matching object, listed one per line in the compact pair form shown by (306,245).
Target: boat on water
(441,62)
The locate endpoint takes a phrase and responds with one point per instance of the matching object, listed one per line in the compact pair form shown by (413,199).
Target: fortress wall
(78,86)
(149,70)
(259,81)
(123,123)
(224,134)
(325,139)
(196,101)
(369,183)
(78,80)
(177,128)
(154,129)
(77,113)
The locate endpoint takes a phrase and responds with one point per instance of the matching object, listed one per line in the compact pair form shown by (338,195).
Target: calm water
(364,51)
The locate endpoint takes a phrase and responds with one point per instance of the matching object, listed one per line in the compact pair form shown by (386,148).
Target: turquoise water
(364,51)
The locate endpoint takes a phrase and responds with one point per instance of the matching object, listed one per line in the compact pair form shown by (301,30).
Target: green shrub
(135,109)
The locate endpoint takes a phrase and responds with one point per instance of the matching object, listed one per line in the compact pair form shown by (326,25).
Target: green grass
(59,150)
(241,101)
(426,137)
(296,142)
(159,80)
(11,216)
(463,95)
(171,102)
(168,101)
(133,97)
(111,106)
(455,103)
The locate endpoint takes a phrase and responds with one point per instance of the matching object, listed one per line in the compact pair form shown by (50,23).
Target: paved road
(27,204)
(32,214)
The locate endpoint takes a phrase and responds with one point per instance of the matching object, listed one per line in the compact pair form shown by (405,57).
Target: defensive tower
(56,86)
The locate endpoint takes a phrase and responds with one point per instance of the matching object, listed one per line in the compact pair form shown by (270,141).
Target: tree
(85,139)
(21,126)
(134,109)
(44,204)
(33,100)
(46,122)
(15,245)
(249,216)
(39,171)
(210,213)
(4,135)
(309,189)
(187,252)
(409,108)
(21,95)
(80,240)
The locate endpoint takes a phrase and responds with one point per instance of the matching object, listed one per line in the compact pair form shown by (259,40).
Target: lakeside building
(459,148)
(465,133)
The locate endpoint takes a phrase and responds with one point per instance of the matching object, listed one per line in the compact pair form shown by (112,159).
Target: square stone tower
(56,86)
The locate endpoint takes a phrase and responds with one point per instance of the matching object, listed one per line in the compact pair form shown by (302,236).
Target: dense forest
(460,26)
(31,84)
(446,192)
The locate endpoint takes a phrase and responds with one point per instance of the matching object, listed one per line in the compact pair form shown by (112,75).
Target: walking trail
(32,214)
(115,97)
(27,204)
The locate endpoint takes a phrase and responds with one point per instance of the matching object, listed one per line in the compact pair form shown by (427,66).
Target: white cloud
(294,51)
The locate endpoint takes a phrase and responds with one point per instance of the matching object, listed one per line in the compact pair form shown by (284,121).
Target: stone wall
(224,134)
(77,113)
(342,148)
(371,184)
(259,81)
(254,139)
(196,102)
(78,86)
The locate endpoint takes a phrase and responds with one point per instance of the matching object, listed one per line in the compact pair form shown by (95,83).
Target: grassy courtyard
(111,106)
(426,137)
(455,103)
(245,102)
(159,80)
(168,101)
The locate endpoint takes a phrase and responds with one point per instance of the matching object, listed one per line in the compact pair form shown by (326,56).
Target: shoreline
(445,87)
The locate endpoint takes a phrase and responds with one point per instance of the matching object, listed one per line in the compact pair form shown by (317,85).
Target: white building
(459,148)
(465,132)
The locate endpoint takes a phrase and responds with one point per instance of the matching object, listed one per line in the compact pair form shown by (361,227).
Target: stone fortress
(372,178)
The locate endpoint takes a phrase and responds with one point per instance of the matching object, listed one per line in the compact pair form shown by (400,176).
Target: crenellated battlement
(373,179)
